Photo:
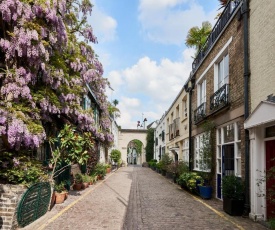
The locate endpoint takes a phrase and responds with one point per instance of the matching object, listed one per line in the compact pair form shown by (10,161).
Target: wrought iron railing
(177,127)
(217,29)
(171,131)
(174,129)
(220,98)
(200,113)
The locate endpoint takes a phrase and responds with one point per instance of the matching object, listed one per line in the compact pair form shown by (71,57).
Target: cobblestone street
(139,198)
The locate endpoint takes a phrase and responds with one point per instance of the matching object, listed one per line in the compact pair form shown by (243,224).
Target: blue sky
(141,44)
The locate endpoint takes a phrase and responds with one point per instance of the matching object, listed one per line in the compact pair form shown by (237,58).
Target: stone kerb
(10,196)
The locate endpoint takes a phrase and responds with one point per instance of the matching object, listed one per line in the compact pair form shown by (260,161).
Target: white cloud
(169,21)
(104,26)
(149,87)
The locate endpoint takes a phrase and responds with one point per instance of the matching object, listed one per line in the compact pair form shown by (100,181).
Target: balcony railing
(171,131)
(220,98)
(177,127)
(174,129)
(216,31)
(200,113)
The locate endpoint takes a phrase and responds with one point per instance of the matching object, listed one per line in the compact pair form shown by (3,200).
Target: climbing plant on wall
(149,145)
(138,146)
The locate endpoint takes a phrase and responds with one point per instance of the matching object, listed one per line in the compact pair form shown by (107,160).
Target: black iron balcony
(216,31)
(200,113)
(220,98)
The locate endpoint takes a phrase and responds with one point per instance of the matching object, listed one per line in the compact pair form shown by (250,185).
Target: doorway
(228,166)
(270,180)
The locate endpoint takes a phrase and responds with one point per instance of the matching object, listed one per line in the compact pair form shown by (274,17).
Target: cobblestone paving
(157,203)
(139,198)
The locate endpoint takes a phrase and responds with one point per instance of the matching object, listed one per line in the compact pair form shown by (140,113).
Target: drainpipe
(190,129)
(189,89)
(245,11)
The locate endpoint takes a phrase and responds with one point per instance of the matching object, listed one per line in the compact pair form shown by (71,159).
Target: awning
(264,113)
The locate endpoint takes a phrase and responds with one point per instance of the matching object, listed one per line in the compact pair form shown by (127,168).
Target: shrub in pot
(78,180)
(233,195)
(86,181)
(60,193)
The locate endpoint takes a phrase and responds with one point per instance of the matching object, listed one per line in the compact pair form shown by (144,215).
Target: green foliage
(152,163)
(165,161)
(197,36)
(100,169)
(72,147)
(206,161)
(178,167)
(59,187)
(149,148)
(138,146)
(86,178)
(189,180)
(115,155)
(21,170)
(78,178)
(232,187)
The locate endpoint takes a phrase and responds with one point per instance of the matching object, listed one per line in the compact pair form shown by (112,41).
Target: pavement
(134,198)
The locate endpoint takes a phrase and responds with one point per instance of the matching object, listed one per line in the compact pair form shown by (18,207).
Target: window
(221,73)
(184,108)
(185,150)
(201,92)
(229,135)
(162,135)
(156,141)
(177,112)
(200,143)
(86,102)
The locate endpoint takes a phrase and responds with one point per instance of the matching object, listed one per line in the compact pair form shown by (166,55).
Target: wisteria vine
(45,70)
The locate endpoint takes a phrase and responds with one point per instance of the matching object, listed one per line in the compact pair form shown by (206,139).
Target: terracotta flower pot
(85,185)
(108,170)
(59,197)
(77,187)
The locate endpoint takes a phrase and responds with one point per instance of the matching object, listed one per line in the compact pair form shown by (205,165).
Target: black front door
(228,166)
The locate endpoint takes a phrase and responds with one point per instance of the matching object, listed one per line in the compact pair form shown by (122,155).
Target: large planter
(77,186)
(205,192)
(233,207)
(85,185)
(59,197)
(163,172)
(108,170)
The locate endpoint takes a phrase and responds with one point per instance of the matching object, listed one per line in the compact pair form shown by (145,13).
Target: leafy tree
(115,155)
(197,36)
(149,148)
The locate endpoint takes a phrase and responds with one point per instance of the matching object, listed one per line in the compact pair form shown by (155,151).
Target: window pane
(228,133)
(226,69)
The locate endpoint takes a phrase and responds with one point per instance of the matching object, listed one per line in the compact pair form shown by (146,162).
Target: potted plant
(86,181)
(115,156)
(108,168)
(233,195)
(100,170)
(60,193)
(78,180)
(164,162)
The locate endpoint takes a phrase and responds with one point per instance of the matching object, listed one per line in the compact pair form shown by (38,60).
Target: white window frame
(221,71)
(185,150)
(237,149)
(198,144)
(201,96)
